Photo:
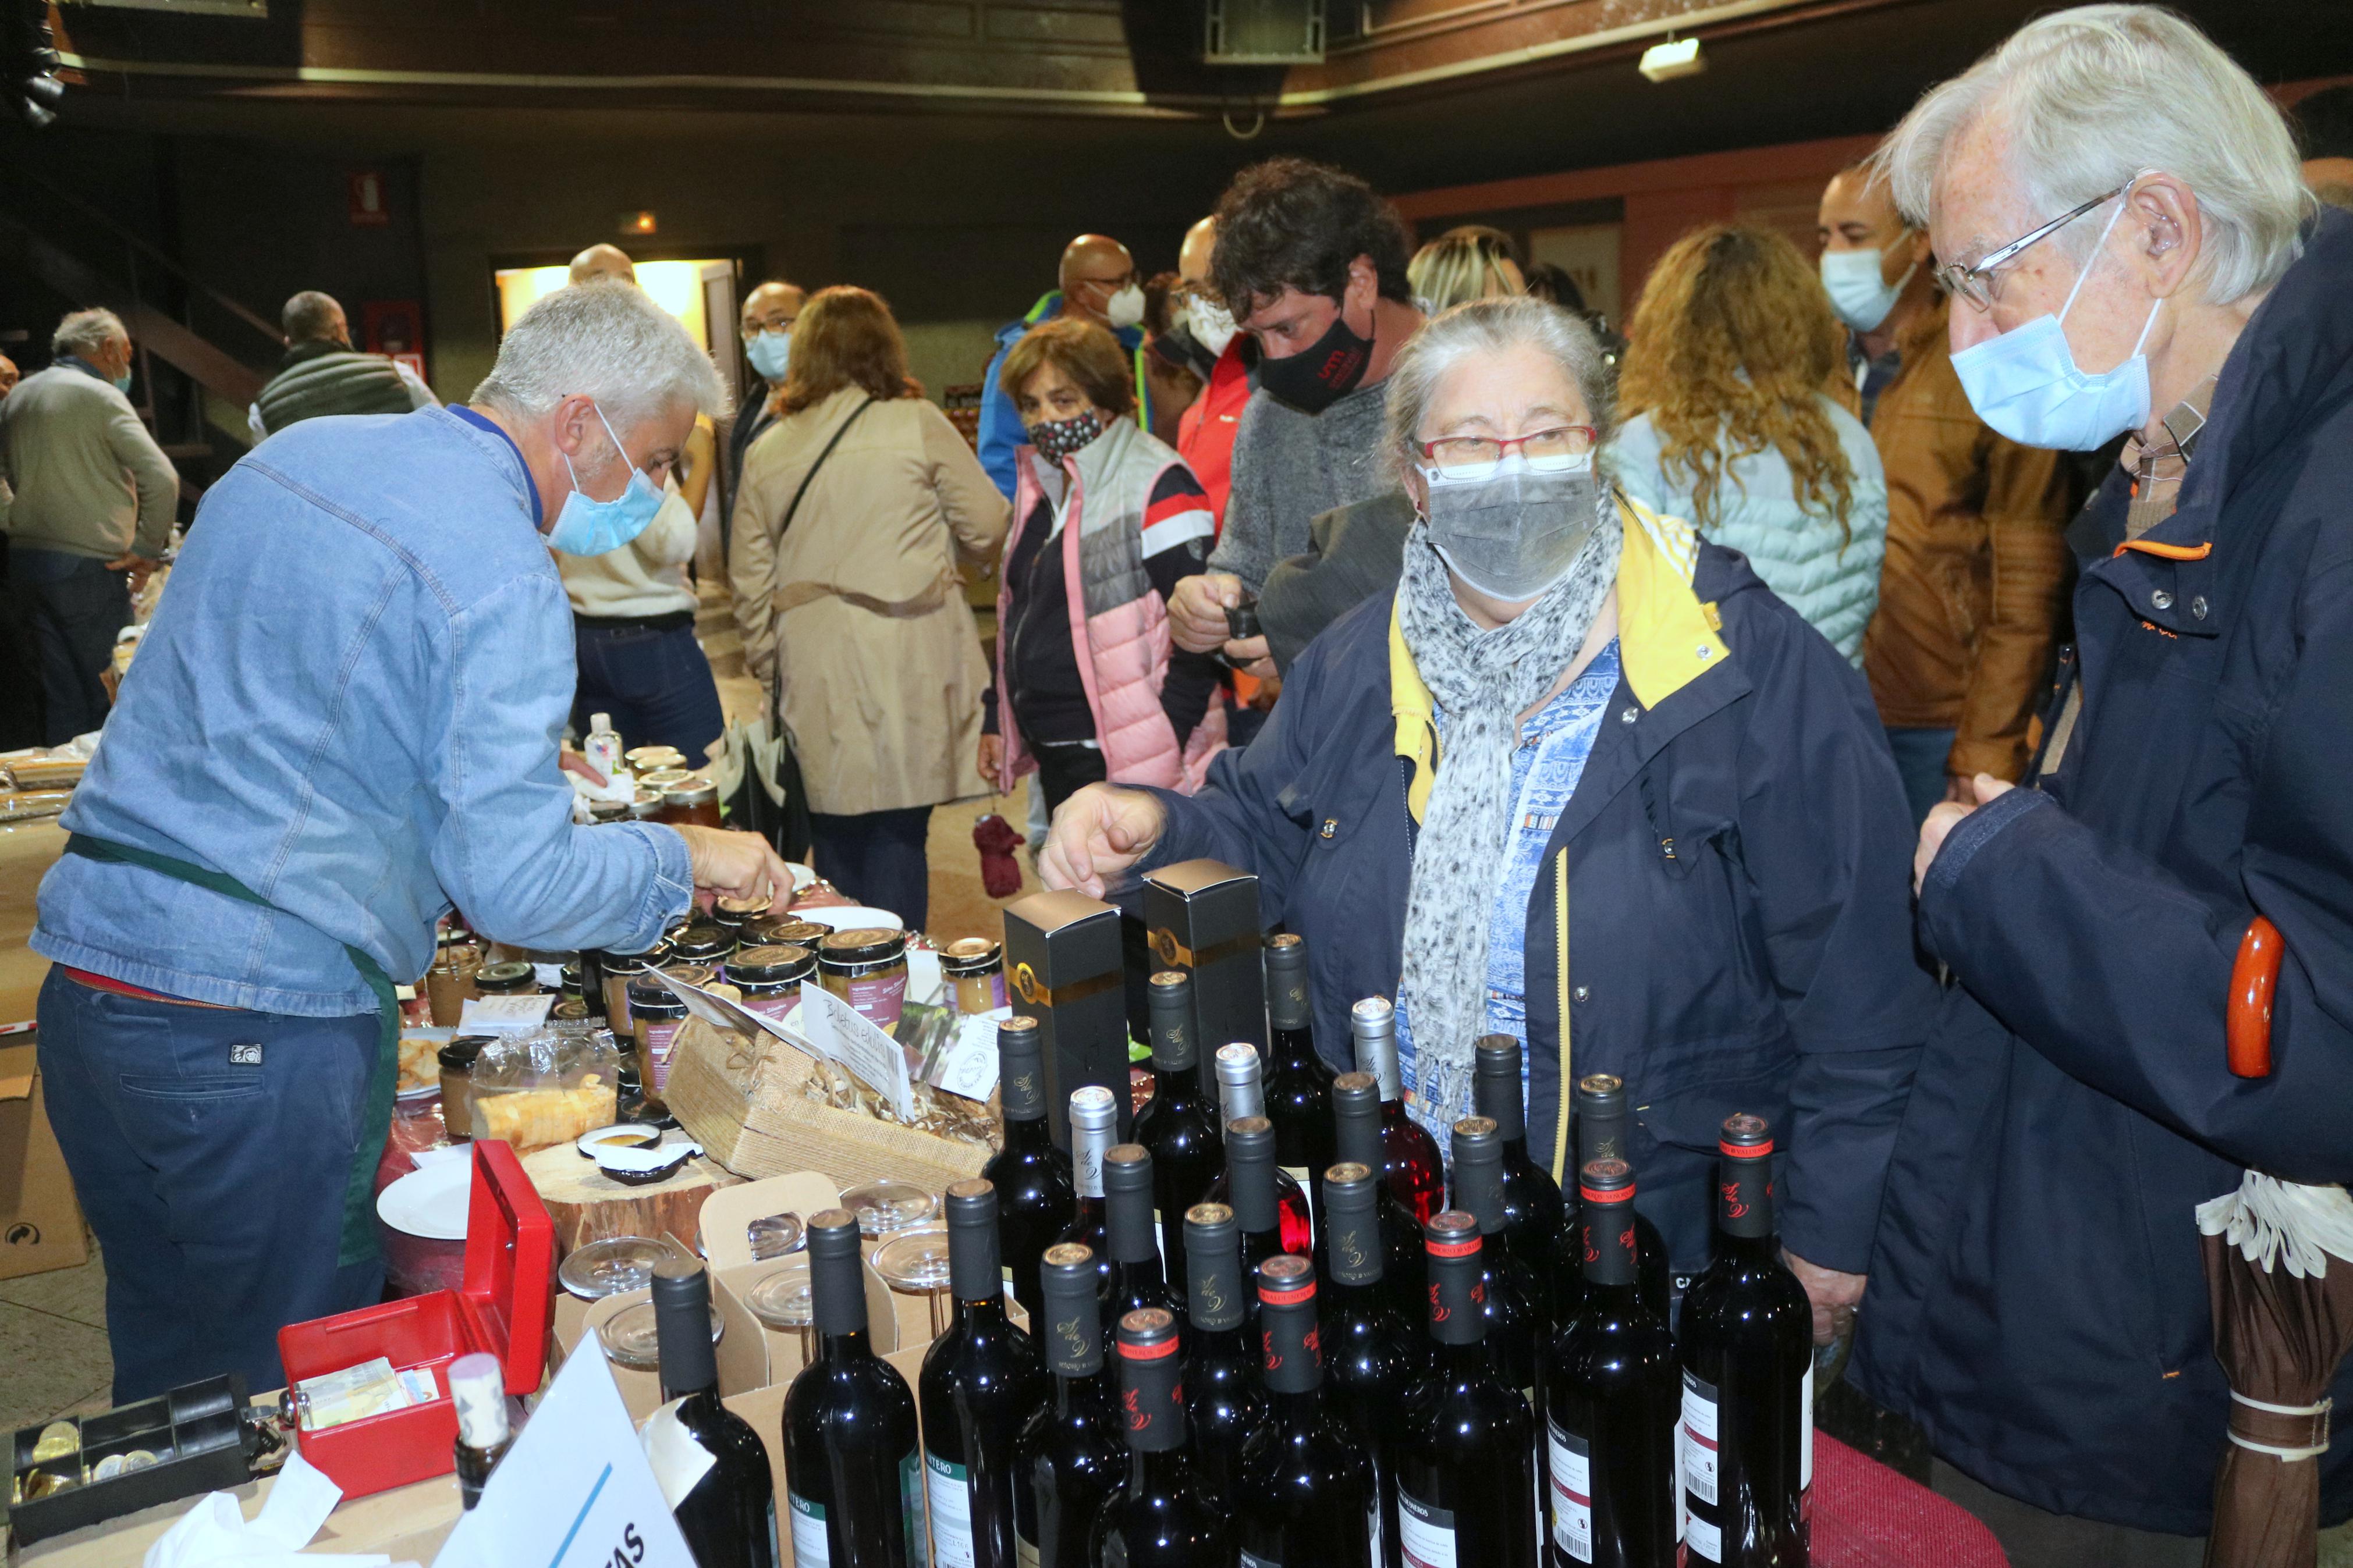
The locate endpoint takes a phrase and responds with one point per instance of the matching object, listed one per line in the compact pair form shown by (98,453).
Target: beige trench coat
(855,617)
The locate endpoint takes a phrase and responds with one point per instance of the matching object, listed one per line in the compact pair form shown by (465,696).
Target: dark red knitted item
(1000,873)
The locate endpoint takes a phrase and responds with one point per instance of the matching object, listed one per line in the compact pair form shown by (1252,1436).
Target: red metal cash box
(503,1305)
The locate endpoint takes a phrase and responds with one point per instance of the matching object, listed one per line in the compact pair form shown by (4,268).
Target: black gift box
(1062,968)
(1201,916)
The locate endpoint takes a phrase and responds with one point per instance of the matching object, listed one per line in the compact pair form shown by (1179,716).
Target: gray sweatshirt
(89,478)
(1287,467)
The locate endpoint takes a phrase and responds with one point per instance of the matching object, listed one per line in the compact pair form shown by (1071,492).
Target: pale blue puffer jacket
(1797,553)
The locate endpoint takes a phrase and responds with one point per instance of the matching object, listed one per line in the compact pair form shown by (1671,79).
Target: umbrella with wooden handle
(2282,1316)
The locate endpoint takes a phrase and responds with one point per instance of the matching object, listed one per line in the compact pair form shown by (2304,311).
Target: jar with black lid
(734,916)
(513,978)
(655,1013)
(458,1059)
(770,977)
(868,968)
(621,969)
(973,967)
(702,943)
(785,930)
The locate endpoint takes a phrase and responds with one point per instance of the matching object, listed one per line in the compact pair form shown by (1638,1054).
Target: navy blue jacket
(1739,916)
(2037,1301)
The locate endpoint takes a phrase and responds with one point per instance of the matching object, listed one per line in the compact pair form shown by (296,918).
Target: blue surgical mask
(122,382)
(769,352)
(589,526)
(2025,382)
(1856,285)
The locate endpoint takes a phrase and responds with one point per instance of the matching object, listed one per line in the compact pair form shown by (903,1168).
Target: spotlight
(637,223)
(1676,57)
(34,92)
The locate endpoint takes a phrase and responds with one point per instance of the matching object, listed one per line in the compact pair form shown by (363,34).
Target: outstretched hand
(1099,832)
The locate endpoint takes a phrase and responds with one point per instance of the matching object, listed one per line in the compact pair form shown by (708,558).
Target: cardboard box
(1201,916)
(1062,967)
(40,1223)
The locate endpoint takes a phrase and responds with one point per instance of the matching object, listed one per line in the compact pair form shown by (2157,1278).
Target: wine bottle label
(1699,1441)
(810,1548)
(774,1554)
(910,1510)
(1682,1499)
(1704,1539)
(1572,1494)
(677,1456)
(1425,1532)
(950,1487)
(1025,1552)
(1806,1429)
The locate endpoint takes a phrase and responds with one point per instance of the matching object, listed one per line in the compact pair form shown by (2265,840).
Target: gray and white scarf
(1483,682)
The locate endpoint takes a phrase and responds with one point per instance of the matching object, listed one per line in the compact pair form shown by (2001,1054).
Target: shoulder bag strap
(839,431)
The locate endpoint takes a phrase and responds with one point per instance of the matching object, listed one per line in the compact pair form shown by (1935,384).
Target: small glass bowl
(915,1262)
(631,1339)
(887,1207)
(776,1235)
(781,1300)
(608,1267)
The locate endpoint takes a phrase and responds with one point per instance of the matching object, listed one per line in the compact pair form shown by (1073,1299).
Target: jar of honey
(513,978)
(770,977)
(457,1060)
(621,970)
(703,942)
(451,982)
(785,930)
(693,801)
(868,968)
(973,967)
(733,915)
(655,1013)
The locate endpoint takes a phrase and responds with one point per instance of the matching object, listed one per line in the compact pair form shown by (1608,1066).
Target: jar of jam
(974,966)
(513,978)
(646,805)
(733,915)
(692,801)
(621,970)
(785,930)
(868,968)
(571,1010)
(653,759)
(703,942)
(458,1083)
(451,982)
(604,811)
(654,1017)
(770,977)
(660,779)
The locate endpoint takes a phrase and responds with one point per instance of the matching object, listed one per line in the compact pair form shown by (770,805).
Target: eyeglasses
(1476,456)
(1974,282)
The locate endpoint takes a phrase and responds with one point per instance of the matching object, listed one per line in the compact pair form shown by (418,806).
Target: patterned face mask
(1059,439)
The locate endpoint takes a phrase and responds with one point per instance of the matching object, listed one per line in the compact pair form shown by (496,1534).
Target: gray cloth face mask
(1516,533)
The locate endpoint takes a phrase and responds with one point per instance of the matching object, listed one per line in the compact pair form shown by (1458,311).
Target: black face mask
(1322,373)
(1178,348)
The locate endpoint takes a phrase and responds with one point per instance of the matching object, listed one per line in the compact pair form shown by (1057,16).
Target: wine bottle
(1532,1210)
(1137,1279)
(1036,1199)
(1466,1472)
(1241,1097)
(1158,1517)
(478,1388)
(1370,1356)
(1222,1402)
(1357,1131)
(980,1383)
(1610,1398)
(711,1466)
(1073,1450)
(1604,1110)
(1178,1124)
(853,1471)
(1307,1498)
(1408,1154)
(1095,1127)
(1298,1082)
(1268,1224)
(1515,1334)
(1747,1376)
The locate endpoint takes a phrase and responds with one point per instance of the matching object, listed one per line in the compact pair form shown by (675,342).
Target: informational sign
(574,1491)
(842,1034)
(363,196)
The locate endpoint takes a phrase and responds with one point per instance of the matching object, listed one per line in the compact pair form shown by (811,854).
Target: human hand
(992,758)
(570,762)
(1099,832)
(1249,654)
(1942,816)
(1197,614)
(734,864)
(1958,789)
(1832,1295)
(141,568)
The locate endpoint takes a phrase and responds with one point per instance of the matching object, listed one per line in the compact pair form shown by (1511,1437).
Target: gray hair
(308,316)
(1493,327)
(2093,96)
(607,340)
(86,333)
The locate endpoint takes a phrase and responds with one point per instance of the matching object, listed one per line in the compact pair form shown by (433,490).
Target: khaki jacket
(854,618)
(1977,565)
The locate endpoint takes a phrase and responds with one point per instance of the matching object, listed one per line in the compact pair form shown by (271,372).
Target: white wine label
(950,1487)
(1025,1552)
(810,1549)
(1572,1495)
(1682,1502)
(911,1509)
(1425,1533)
(1806,1429)
(1699,1440)
(677,1456)
(1705,1540)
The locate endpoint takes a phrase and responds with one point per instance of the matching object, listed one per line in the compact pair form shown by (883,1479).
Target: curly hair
(1084,351)
(1288,223)
(1733,345)
(843,337)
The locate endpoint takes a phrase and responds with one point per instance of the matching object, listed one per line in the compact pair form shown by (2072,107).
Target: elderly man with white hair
(342,723)
(2117,213)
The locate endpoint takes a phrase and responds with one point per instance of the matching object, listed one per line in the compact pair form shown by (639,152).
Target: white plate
(851,917)
(430,1203)
(803,876)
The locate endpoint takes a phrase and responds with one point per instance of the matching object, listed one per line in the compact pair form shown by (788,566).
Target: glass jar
(654,1017)
(703,942)
(785,930)
(458,1083)
(868,968)
(660,779)
(621,970)
(604,811)
(693,801)
(770,977)
(733,915)
(646,805)
(645,760)
(513,978)
(571,1010)
(451,982)
(975,967)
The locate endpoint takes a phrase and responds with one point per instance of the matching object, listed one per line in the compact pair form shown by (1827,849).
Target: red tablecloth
(1867,1516)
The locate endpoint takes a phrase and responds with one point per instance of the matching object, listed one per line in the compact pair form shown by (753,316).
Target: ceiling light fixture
(1676,57)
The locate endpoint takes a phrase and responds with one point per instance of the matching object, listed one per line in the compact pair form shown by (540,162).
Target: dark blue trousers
(71,606)
(655,682)
(878,858)
(214,1185)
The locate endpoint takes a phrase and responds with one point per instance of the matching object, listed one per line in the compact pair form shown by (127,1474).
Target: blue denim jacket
(349,701)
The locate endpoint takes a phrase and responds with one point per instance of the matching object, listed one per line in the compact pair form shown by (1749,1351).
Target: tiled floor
(53,1345)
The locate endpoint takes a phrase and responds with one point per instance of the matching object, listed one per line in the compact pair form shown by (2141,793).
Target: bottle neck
(1157,1472)
(1088,1147)
(1297,1411)
(1463,1363)
(1744,1203)
(1357,1139)
(1607,1235)
(1219,1345)
(848,1344)
(1028,1134)
(1376,1053)
(983,1315)
(1363,1299)
(1076,1395)
(1176,1085)
(1292,1046)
